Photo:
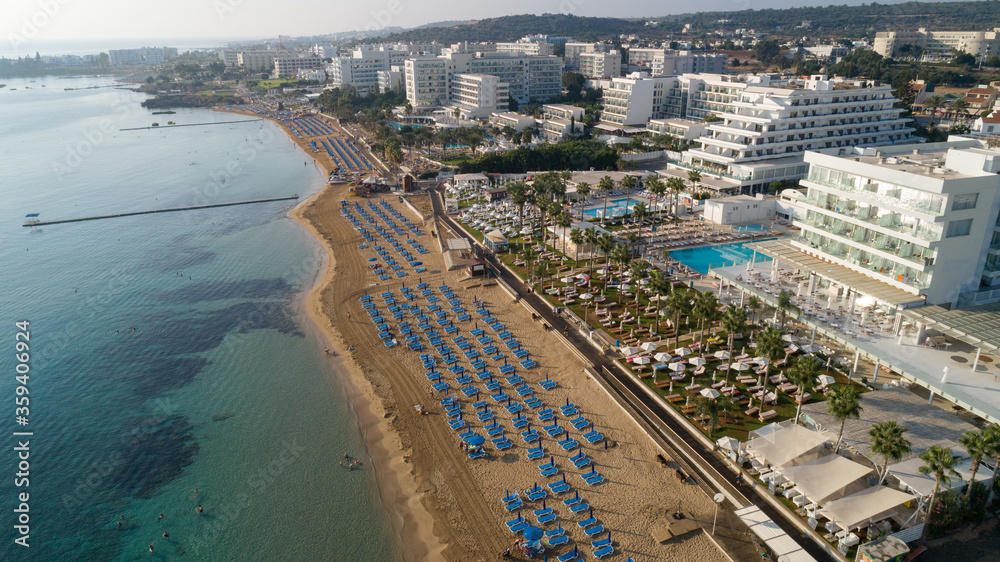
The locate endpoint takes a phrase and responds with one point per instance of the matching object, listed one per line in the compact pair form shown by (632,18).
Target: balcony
(862,260)
(933,208)
(922,232)
(889,248)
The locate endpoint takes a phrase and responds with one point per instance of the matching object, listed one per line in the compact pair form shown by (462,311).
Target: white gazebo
(824,477)
(870,505)
(785,445)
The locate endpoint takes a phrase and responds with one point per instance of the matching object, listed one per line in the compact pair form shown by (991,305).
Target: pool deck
(977,391)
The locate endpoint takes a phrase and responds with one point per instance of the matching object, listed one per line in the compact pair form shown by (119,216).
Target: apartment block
(517,121)
(141,56)
(937,45)
(573,50)
(476,96)
(290,65)
(600,65)
(920,218)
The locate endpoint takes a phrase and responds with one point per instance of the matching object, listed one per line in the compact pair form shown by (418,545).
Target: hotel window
(959,228)
(964,201)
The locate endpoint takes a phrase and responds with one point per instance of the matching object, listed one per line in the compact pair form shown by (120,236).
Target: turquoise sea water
(703,257)
(168,352)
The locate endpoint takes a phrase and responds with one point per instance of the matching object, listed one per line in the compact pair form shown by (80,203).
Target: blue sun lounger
(557,532)
(595,530)
(583,506)
(587,522)
(568,444)
(601,543)
(593,437)
(605,551)
(569,556)
(559,487)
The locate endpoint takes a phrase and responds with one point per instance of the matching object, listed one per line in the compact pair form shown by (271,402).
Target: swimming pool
(700,259)
(750,228)
(615,207)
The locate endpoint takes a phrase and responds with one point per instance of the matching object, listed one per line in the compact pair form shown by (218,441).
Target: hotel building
(476,96)
(937,45)
(601,65)
(290,65)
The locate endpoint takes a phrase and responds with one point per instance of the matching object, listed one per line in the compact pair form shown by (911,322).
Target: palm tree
(976,443)
(660,286)
(564,221)
(590,237)
(676,185)
(657,188)
(713,409)
(754,304)
(677,302)
(888,441)
(632,239)
(959,106)
(706,307)
(941,463)
(934,102)
(785,304)
(992,436)
(771,346)
(803,375)
(639,212)
(843,402)
(619,255)
(606,185)
(629,183)
(606,243)
(518,193)
(638,270)
(583,190)
(694,176)
(733,322)
(576,236)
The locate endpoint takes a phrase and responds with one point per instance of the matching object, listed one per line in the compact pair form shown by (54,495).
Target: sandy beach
(448,505)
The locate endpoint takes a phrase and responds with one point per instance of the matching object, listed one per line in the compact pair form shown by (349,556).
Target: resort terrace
(870,319)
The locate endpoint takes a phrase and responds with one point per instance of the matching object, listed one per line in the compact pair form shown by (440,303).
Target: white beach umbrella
(698,361)
(709,393)
(722,354)
(677,367)
(626,287)
(629,350)
(586,296)
(728,443)
(582,276)
(567,279)
(663,357)
(826,380)
(641,360)
(682,351)
(739,366)
(790,338)
(649,345)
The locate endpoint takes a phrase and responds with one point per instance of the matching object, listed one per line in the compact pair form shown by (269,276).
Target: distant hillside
(854,21)
(510,28)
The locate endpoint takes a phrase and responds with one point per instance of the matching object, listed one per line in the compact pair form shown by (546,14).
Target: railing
(846,256)
(930,234)
(711,171)
(850,187)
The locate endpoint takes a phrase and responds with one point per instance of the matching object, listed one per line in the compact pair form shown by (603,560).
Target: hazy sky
(54,20)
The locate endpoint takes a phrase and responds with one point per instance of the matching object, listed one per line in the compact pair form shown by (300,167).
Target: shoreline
(397,487)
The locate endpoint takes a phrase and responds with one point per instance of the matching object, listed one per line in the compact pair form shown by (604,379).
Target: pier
(33,218)
(191,125)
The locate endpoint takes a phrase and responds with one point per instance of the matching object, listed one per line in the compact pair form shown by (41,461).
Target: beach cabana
(496,241)
(785,445)
(824,477)
(870,505)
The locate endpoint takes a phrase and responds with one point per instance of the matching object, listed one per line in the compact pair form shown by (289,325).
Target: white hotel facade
(921,218)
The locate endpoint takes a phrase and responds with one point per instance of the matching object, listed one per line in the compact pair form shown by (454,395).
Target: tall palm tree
(660,286)
(803,375)
(713,409)
(694,176)
(888,441)
(620,256)
(785,304)
(977,445)
(605,186)
(639,212)
(754,304)
(772,347)
(934,102)
(577,237)
(656,186)
(939,462)
(992,436)
(564,221)
(843,402)
(676,186)
(606,243)
(518,193)
(678,302)
(590,237)
(733,322)
(959,106)
(632,239)
(638,270)
(629,183)
(706,307)
(583,190)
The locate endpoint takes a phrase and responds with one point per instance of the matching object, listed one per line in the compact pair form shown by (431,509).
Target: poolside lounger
(548,384)
(547,518)
(479,454)
(582,506)
(559,487)
(568,444)
(574,501)
(569,556)
(587,522)
(505,445)
(541,512)
(601,543)
(549,472)
(553,533)
(595,530)
(593,437)
(536,495)
(595,480)
(515,521)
